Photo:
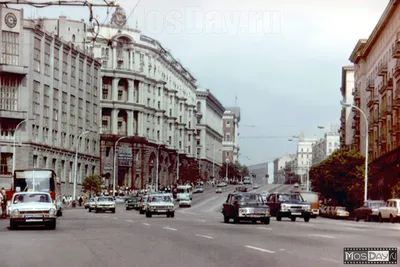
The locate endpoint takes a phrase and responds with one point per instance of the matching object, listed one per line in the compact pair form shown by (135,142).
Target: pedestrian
(3,203)
(80,201)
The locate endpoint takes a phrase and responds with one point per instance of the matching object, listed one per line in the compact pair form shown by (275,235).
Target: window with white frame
(9,53)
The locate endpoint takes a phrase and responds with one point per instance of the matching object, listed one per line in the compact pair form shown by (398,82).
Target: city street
(196,237)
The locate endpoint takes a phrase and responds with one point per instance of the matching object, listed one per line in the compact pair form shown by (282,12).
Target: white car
(185,202)
(160,204)
(32,208)
(219,190)
(255,186)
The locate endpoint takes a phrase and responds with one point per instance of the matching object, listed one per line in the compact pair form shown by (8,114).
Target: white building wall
(349,98)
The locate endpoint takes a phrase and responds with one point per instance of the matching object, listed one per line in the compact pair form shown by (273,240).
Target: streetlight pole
(76,163)
(227,163)
(115,161)
(213,160)
(158,155)
(15,140)
(177,168)
(346,105)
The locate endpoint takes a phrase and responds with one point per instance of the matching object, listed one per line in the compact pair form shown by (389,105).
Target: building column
(142,93)
(114,121)
(114,56)
(114,89)
(130,122)
(131,91)
(132,59)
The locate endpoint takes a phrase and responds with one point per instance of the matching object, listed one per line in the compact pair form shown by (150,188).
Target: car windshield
(105,199)
(290,197)
(160,199)
(376,205)
(29,198)
(253,198)
(340,208)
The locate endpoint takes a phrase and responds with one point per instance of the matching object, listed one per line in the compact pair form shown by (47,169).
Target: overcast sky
(281,58)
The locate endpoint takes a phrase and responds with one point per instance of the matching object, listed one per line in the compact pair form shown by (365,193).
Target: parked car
(370,211)
(391,211)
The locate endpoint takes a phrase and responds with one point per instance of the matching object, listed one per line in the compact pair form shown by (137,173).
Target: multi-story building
(347,122)
(324,147)
(209,133)
(304,156)
(260,171)
(146,95)
(49,88)
(230,144)
(279,168)
(377,81)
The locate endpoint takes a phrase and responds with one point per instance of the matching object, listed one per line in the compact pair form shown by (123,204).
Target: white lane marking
(260,249)
(128,220)
(306,224)
(331,260)
(282,249)
(265,228)
(169,228)
(323,236)
(115,218)
(205,236)
(355,229)
(146,224)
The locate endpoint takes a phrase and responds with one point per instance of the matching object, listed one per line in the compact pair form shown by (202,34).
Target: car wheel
(226,219)
(141,211)
(52,225)
(172,214)
(266,220)
(380,218)
(13,225)
(90,210)
(278,217)
(306,219)
(392,220)
(148,214)
(293,219)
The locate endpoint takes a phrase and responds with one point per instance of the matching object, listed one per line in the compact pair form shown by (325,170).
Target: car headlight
(15,212)
(284,207)
(52,212)
(307,208)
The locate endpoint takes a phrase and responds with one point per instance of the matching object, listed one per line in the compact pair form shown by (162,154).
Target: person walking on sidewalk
(3,203)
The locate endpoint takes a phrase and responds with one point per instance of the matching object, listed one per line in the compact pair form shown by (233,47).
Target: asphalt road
(196,237)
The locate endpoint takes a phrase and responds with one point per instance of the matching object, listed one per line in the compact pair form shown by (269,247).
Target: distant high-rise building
(347,123)
(209,133)
(230,144)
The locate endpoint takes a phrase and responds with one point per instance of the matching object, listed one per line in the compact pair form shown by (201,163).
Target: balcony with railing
(388,109)
(396,49)
(382,69)
(376,118)
(370,84)
(373,98)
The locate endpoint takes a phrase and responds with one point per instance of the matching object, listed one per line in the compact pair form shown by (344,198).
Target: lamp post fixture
(115,161)
(76,162)
(15,141)
(346,105)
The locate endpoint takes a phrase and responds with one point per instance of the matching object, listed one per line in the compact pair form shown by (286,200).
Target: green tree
(340,177)
(235,170)
(92,184)
(189,172)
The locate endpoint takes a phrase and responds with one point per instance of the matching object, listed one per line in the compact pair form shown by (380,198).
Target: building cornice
(364,46)
(211,100)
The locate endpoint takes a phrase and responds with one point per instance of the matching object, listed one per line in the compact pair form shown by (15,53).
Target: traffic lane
(295,238)
(94,242)
(214,203)
(248,237)
(233,238)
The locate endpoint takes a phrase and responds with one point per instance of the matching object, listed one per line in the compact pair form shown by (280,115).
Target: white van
(184,191)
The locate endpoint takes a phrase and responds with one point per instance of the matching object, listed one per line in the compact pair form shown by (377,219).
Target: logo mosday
(195,20)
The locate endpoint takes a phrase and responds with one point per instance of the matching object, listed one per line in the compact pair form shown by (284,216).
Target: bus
(184,191)
(37,180)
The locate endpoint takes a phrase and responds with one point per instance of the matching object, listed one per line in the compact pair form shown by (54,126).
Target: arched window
(198,106)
